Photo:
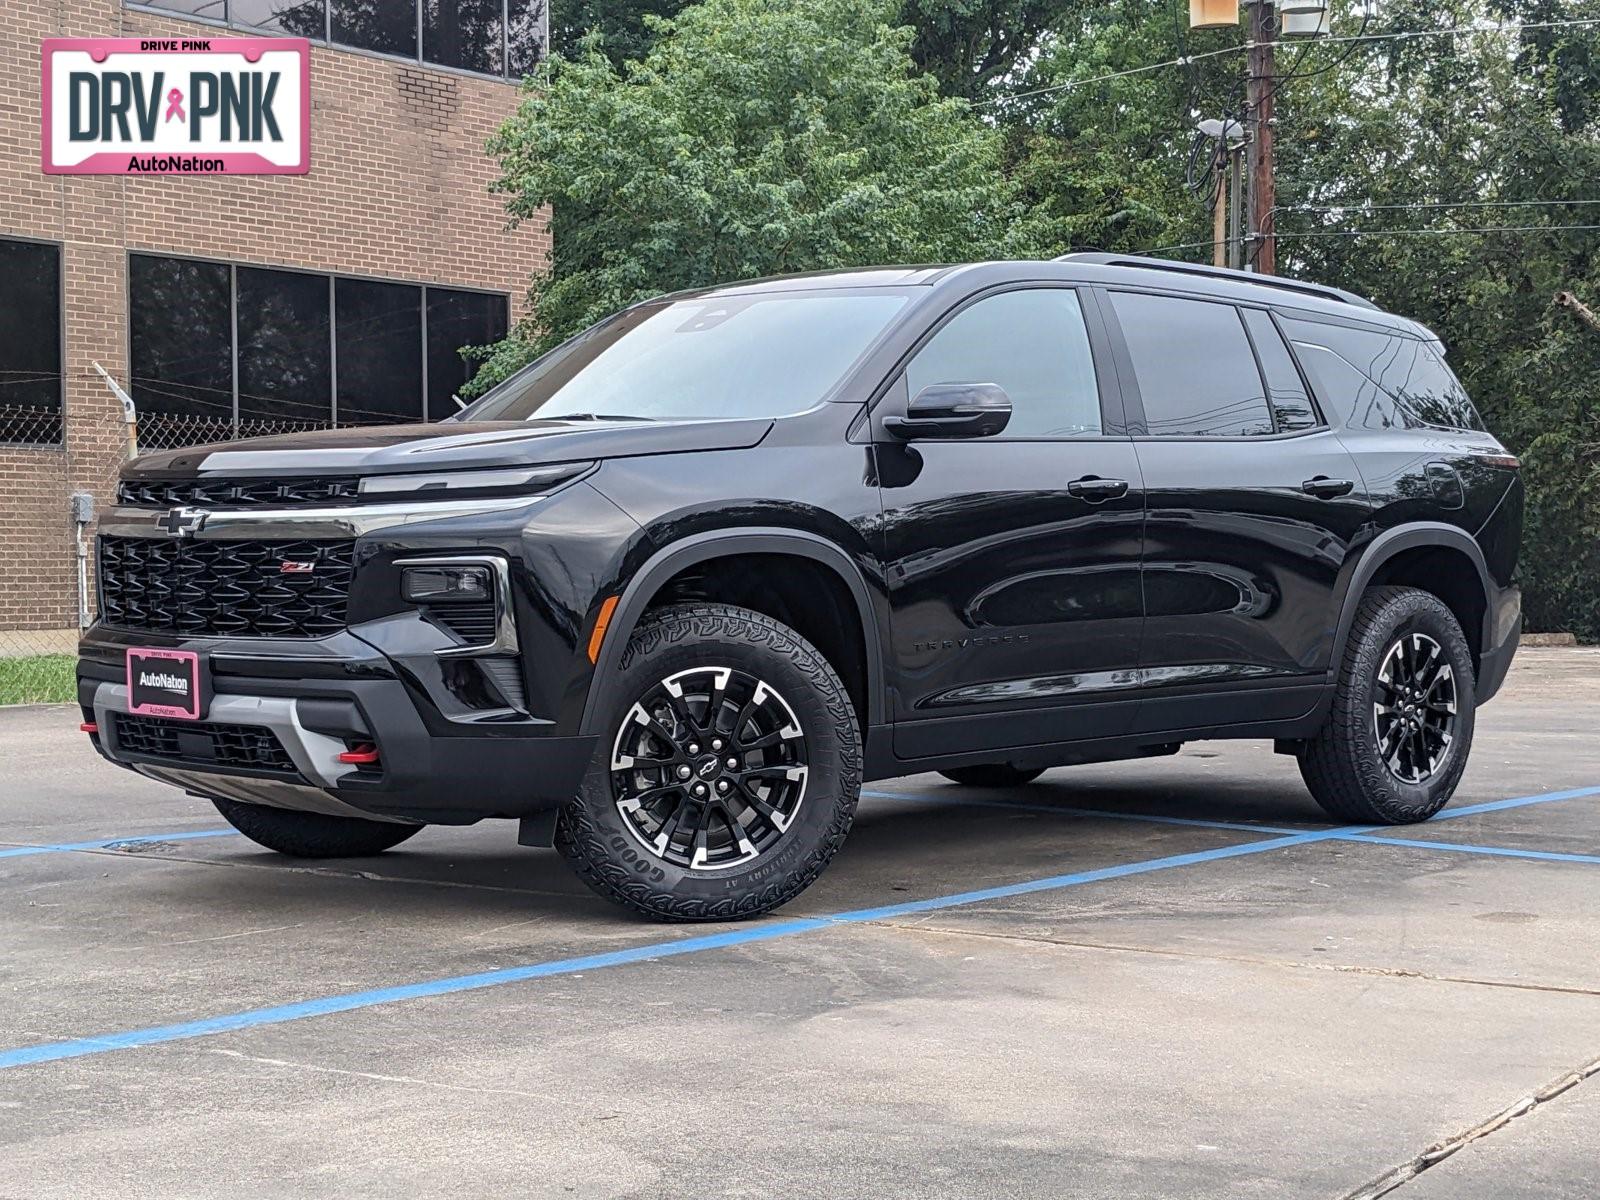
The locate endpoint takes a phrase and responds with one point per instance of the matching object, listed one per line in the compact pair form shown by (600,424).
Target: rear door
(1012,562)
(1252,503)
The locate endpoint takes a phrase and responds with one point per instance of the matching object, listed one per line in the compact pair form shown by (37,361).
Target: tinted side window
(1417,388)
(1034,344)
(1352,399)
(1435,394)
(1193,364)
(1292,408)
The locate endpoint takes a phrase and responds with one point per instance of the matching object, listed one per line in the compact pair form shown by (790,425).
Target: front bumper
(429,770)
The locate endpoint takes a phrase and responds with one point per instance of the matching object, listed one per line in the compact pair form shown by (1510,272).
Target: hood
(465,445)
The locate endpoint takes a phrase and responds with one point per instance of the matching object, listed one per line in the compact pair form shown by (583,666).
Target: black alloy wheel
(728,773)
(709,768)
(1414,707)
(1399,729)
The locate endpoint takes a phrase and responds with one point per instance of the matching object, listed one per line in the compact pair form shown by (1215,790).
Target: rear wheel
(313,835)
(729,773)
(1397,740)
(992,775)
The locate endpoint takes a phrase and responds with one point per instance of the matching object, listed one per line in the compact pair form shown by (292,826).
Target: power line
(1185,61)
(1322,233)
(1327,233)
(1343,208)
(1188,59)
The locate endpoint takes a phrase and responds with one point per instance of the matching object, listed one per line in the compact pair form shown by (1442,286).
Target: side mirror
(953,410)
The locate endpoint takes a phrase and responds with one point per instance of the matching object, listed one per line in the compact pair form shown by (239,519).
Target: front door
(1012,562)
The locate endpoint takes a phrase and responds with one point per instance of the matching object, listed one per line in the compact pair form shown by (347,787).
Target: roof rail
(1100,258)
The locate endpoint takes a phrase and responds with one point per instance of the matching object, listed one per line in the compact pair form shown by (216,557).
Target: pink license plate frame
(181,665)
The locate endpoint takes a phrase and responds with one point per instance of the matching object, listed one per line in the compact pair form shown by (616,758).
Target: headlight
(451,484)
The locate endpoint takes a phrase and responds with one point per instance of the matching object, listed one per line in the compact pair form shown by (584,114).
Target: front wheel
(1397,739)
(313,835)
(729,772)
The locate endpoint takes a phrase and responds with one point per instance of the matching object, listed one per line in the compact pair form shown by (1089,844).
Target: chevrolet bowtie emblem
(182,522)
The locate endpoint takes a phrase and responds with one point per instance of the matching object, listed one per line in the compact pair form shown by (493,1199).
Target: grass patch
(39,679)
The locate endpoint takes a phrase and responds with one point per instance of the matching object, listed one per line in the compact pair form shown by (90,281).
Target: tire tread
(1349,784)
(580,841)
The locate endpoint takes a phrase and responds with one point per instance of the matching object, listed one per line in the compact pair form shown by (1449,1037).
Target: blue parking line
(1466,848)
(1069,811)
(116,843)
(326,1005)
(279,1014)
(1473,810)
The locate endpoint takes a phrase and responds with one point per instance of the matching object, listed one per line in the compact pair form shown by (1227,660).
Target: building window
(378,344)
(457,319)
(285,328)
(220,352)
(30,343)
(180,341)
(504,38)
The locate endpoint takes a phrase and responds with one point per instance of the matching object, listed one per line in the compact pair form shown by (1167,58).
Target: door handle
(1327,489)
(1095,490)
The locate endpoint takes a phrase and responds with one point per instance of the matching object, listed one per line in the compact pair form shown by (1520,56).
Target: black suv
(670,594)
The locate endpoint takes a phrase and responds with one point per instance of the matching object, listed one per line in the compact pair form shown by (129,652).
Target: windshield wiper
(589,417)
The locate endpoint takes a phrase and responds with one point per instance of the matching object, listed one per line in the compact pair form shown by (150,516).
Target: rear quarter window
(1382,380)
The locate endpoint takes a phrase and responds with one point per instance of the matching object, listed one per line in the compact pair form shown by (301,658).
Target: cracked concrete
(1319,1020)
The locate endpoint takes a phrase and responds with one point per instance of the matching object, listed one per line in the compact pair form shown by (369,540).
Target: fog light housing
(445,583)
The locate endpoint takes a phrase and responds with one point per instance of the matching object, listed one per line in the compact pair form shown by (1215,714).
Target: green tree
(1419,146)
(967,45)
(756,137)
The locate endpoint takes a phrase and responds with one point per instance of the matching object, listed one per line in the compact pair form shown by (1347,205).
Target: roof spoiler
(1321,291)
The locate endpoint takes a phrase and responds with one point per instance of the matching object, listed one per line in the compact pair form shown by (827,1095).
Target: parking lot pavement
(1063,989)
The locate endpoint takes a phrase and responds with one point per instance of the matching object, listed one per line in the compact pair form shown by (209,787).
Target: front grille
(200,744)
(236,493)
(225,589)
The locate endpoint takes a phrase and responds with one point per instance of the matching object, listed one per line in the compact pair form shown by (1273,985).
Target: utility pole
(1258,109)
(1219,205)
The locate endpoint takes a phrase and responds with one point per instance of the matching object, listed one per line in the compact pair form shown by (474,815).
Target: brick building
(235,305)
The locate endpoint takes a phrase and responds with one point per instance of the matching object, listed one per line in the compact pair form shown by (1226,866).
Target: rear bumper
(1495,662)
(422,775)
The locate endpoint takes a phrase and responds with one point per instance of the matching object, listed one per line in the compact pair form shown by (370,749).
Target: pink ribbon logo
(175,105)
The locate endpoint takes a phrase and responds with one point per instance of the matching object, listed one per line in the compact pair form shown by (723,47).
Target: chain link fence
(173,431)
(47,568)
(41,600)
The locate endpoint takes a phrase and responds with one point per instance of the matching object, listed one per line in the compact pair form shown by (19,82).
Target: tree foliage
(756,137)
(1429,172)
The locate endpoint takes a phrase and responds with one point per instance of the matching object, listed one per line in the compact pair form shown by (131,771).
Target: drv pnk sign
(171,106)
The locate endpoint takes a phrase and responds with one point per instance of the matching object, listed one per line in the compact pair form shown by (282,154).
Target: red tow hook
(88,727)
(364,755)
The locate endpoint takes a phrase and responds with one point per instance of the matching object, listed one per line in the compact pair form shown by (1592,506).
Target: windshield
(761,355)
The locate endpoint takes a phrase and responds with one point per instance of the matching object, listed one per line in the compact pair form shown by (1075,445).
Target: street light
(1305,24)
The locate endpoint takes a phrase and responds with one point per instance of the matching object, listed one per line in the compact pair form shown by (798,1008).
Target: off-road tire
(992,775)
(312,835)
(1342,765)
(592,833)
